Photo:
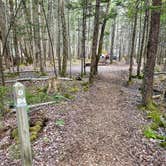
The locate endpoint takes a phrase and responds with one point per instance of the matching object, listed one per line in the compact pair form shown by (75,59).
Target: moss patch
(85,86)
(14,152)
(34,131)
(163,144)
(74,89)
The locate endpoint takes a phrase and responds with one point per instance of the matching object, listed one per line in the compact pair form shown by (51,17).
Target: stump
(52,85)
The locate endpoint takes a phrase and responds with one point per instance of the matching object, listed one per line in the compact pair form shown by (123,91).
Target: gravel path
(103,127)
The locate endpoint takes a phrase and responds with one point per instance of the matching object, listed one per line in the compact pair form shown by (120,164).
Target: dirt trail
(103,127)
(106,130)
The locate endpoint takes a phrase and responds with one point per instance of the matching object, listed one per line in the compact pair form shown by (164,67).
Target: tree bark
(17,57)
(112,40)
(95,42)
(133,42)
(143,40)
(59,39)
(151,53)
(100,47)
(65,40)
(83,38)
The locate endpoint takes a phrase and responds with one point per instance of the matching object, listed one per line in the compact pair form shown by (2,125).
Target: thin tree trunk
(143,41)
(17,58)
(112,40)
(100,47)
(83,38)
(40,42)
(133,42)
(65,40)
(49,35)
(59,39)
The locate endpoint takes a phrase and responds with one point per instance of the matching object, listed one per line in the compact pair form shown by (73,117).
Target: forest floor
(102,127)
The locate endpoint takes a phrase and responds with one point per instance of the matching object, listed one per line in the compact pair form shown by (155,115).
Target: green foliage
(156,117)
(37,97)
(158,121)
(11,75)
(113,13)
(85,86)
(163,144)
(155,114)
(68,96)
(59,97)
(74,89)
(60,122)
(14,135)
(43,74)
(141,107)
(141,76)
(154,126)
(149,133)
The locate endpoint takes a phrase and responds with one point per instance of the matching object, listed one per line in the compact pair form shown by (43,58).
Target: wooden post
(23,125)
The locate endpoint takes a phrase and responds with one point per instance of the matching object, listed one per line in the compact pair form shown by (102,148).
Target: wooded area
(84,55)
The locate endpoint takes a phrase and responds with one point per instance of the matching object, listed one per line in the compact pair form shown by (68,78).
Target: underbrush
(35,95)
(157,128)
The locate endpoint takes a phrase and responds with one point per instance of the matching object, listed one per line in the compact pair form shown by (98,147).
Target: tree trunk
(2,39)
(17,57)
(65,40)
(133,42)
(40,42)
(95,42)
(143,41)
(59,39)
(151,53)
(100,47)
(83,38)
(112,40)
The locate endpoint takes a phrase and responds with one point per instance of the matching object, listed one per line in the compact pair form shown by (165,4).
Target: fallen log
(158,73)
(37,79)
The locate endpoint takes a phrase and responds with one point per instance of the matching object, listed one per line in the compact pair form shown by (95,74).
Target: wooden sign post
(23,125)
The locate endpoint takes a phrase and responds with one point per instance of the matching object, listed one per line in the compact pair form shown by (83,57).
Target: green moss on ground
(85,86)
(163,144)
(34,131)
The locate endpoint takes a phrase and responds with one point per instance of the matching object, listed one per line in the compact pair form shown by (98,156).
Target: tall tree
(143,39)
(2,38)
(133,40)
(112,39)
(93,71)
(15,38)
(59,38)
(151,53)
(65,40)
(85,3)
(100,47)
